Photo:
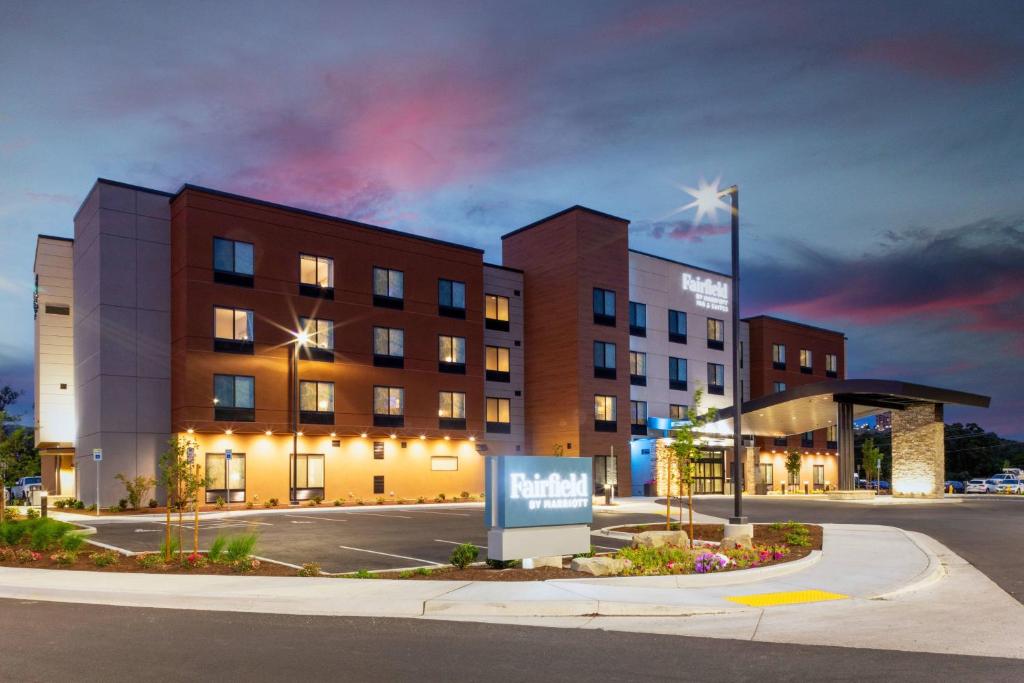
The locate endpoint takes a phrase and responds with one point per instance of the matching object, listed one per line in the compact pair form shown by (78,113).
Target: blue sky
(878,145)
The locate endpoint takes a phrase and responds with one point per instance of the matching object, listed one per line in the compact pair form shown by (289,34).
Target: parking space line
(324,519)
(376,552)
(441,540)
(449,514)
(377,514)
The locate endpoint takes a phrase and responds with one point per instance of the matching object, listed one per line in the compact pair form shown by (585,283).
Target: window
(678,411)
(780,441)
(451,410)
(388,287)
(831,365)
(767,475)
(497,360)
(638,368)
(378,483)
(832,436)
(638,418)
(604,307)
(778,386)
(496,312)
(604,414)
(819,477)
(444,463)
(378,450)
(388,347)
(306,473)
(316,402)
(451,354)
(677,373)
(451,298)
(234,398)
(806,361)
(716,334)
(316,276)
(320,339)
(232,330)
(216,468)
(716,379)
(604,360)
(677,327)
(499,420)
(232,262)
(637,319)
(58,309)
(807,439)
(388,406)
(779,356)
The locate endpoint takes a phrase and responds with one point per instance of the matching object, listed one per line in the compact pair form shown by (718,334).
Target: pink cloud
(680,230)
(938,56)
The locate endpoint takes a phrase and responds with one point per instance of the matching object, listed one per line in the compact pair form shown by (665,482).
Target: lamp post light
(708,200)
(301,339)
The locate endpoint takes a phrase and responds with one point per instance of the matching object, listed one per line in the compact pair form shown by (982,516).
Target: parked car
(1009,486)
(958,486)
(1003,475)
(976,486)
(1017,472)
(882,485)
(24,487)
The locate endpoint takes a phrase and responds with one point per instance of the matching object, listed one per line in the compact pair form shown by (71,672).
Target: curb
(934,572)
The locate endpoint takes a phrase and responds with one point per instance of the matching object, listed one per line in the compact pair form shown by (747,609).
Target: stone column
(844,423)
(918,451)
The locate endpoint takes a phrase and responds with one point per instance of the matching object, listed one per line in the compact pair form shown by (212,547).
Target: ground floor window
(819,477)
(378,484)
(219,484)
(307,476)
(444,463)
(767,475)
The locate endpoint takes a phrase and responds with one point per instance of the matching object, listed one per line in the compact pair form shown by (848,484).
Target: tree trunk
(689,496)
(195,508)
(167,536)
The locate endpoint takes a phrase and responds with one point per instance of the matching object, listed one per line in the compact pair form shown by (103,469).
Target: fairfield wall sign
(708,293)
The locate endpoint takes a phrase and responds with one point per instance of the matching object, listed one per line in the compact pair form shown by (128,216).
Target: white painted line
(319,519)
(441,540)
(448,514)
(377,514)
(403,557)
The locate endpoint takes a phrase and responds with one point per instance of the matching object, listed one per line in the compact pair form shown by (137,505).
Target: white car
(1010,486)
(1003,475)
(980,486)
(24,487)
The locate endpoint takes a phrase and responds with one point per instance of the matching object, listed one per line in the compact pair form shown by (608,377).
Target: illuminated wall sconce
(268,432)
(472,438)
(447,438)
(190,430)
(362,434)
(229,432)
(394,436)
(333,434)
(422,437)
(298,433)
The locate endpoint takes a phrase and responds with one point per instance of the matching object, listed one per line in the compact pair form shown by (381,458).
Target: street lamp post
(733,193)
(301,337)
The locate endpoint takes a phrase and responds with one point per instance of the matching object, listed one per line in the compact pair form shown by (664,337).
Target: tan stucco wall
(349,468)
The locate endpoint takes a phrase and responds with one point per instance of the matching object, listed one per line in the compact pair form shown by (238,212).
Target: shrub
(64,557)
(359,501)
(405,574)
(240,547)
(219,503)
(11,532)
(464,494)
(104,558)
(463,555)
(440,496)
(249,505)
(338,502)
(72,542)
(24,555)
(152,503)
(309,569)
(216,551)
(645,561)
(45,533)
(195,561)
(421,500)
(317,500)
(246,564)
(588,554)
(362,574)
(273,502)
(380,500)
(79,505)
(122,505)
(136,487)
(171,549)
(502,564)
(799,537)
(32,513)
(6,553)
(10,514)
(150,560)
(267,504)
(421,571)
(61,504)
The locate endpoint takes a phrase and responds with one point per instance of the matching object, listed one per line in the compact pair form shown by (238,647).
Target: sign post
(227,476)
(538,506)
(97,457)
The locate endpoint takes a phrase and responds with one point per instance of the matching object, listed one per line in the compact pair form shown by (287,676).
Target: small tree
(685,451)
(870,456)
(793,465)
(137,488)
(174,471)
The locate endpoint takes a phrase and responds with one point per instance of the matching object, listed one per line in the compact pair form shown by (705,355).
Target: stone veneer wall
(918,451)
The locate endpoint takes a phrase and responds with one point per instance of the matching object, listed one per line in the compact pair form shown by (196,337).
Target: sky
(879,146)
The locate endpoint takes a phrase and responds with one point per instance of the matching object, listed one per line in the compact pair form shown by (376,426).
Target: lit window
(389,401)
(806,359)
(232,323)
(310,470)
(316,396)
(779,354)
(638,413)
(678,411)
(452,349)
(831,364)
(452,405)
(230,256)
(604,408)
(716,334)
(388,341)
(496,307)
(497,359)
(316,270)
(498,415)
(320,332)
(637,364)
(389,284)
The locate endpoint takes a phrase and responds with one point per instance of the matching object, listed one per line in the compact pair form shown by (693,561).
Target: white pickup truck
(23,488)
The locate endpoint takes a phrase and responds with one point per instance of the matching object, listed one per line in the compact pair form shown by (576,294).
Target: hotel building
(302,355)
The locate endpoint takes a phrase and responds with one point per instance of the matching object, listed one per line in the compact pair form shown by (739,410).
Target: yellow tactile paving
(787,598)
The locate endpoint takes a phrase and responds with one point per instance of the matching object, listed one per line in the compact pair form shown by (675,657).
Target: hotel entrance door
(710,472)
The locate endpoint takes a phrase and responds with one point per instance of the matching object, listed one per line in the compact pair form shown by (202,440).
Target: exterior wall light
(268,432)
(333,434)
(363,434)
(472,438)
(298,434)
(229,432)
(447,438)
(190,430)
(394,436)
(422,437)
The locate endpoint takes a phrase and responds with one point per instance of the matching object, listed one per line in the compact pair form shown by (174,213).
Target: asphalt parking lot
(345,539)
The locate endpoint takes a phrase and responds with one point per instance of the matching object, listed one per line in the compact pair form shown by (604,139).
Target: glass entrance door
(710,472)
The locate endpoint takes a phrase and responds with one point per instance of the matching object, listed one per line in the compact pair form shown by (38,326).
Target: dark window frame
(387,300)
(449,309)
(637,329)
(601,314)
(233,276)
(674,335)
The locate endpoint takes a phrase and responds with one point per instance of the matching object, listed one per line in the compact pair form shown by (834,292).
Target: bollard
(43,500)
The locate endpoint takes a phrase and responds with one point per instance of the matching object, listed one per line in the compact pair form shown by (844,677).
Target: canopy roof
(813,406)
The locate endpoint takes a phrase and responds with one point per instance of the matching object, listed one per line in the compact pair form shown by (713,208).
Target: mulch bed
(763,534)
(489,574)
